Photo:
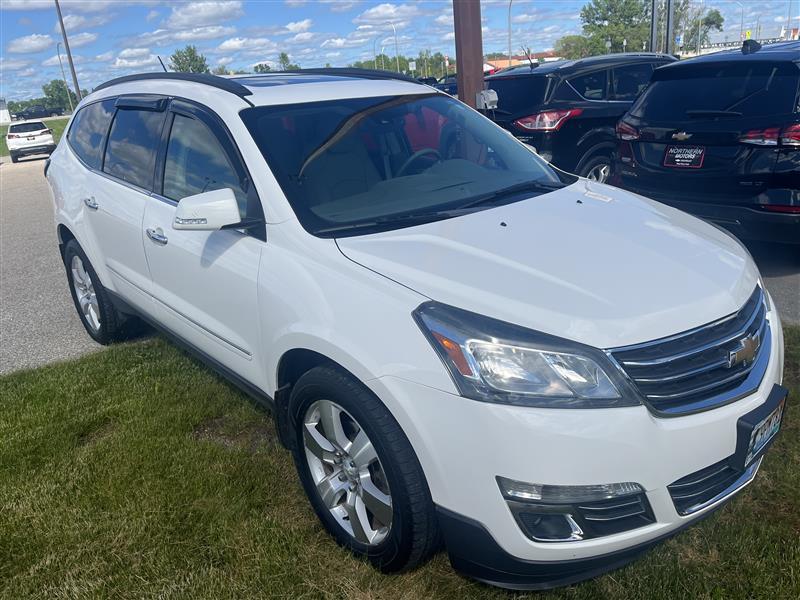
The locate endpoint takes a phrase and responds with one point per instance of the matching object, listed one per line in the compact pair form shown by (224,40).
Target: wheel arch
(64,235)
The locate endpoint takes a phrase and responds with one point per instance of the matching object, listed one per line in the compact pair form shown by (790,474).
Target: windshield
(359,165)
(721,90)
(26,127)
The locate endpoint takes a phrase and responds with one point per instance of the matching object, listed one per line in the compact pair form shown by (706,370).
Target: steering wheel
(415,156)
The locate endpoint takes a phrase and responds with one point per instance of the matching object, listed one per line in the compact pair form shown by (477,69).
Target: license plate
(763,432)
(31,137)
(685,157)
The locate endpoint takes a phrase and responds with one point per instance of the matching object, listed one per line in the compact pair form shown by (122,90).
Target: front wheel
(360,473)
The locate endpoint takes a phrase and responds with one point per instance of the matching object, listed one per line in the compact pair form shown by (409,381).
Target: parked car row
(36,112)
(459,342)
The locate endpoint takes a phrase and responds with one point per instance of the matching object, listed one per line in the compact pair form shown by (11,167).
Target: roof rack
(228,85)
(350,72)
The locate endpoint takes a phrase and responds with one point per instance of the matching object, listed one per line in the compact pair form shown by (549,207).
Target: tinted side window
(132,144)
(591,86)
(88,130)
(197,162)
(630,80)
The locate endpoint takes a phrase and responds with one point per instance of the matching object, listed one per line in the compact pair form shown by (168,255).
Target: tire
(594,166)
(14,158)
(412,534)
(104,323)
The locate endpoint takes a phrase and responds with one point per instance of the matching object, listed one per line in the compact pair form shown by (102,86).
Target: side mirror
(208,211)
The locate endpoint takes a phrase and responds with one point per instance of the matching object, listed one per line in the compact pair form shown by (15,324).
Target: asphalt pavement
(39,325)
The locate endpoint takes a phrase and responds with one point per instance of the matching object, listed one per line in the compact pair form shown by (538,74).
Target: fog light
(552,527)
(520,491)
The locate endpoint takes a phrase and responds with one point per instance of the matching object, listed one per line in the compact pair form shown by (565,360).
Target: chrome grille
(706,486)
(704,367)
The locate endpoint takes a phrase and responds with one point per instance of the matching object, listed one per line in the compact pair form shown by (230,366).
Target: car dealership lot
(38,323)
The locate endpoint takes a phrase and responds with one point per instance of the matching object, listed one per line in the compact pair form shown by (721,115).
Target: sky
(110,38)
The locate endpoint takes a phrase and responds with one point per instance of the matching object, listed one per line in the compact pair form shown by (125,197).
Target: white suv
(29,137)
(457,341)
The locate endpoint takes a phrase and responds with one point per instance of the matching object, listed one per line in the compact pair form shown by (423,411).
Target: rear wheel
(102,321)
(360,473)
(597,168)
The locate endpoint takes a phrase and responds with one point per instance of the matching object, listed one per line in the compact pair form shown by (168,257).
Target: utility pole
(69,54)
(469,49)
(509,32)
(789,22)
(699,23)
(64,77)
(374,56)
(396,51)
(654,26)
(741,21)
(670,26)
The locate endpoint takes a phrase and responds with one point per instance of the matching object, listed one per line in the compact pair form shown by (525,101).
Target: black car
(448,84)
(37,112)
(719,136)
(567,109)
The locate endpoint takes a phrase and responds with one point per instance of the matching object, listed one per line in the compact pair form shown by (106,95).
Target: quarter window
(591,86)
(197,162)
(88,130)
(132,144)
(630,80)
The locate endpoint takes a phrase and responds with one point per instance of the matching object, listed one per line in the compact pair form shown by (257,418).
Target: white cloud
(249,46)
(153,14)
(302,38)
(134,53)
(295,4)
(30,43)
(104,57)
(165,36)
(197,14)
(53,60)
(299,26)
(341,5)
(135,63)
(380,15)
(66,5)
(82,39)
(75,22)
(224,60)
(13,64)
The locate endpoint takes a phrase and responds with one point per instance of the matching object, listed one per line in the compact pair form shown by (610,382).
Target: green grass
(57,125)
(136,472)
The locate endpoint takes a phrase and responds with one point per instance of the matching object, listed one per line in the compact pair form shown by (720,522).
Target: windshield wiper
(406,220)
(526,186)
(713,113)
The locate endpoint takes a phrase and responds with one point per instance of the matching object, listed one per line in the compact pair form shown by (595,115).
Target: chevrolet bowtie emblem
(745,352)
(681,136)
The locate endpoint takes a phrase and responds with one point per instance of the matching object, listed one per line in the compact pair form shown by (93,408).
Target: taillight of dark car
(549,120)
(626,131)
(773,136)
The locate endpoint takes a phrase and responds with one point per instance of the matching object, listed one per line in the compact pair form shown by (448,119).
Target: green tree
(188,60)
(285,63)
(56,95)
(262,68)
(614,21)
(702,24)
(573,46)
(220,70)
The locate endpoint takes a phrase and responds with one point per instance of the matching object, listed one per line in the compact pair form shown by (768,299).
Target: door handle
(157,235)
(90,202)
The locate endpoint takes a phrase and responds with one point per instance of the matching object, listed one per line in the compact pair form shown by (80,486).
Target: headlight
(494,361)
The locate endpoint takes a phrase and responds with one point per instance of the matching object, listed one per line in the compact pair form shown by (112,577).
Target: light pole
(374,56)
(789,22)
(396,51)
(69,54)
(699,23)
(741,22)
(64,77)
(509,32)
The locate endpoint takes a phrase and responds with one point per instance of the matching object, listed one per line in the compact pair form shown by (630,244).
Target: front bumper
(463,445)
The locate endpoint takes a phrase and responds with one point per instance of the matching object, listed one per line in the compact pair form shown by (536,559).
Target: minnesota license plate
(686,157)
(763,432)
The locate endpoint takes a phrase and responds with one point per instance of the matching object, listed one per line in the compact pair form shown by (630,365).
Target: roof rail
(228,85)
(351,72)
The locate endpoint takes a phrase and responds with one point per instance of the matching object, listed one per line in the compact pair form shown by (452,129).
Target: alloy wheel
(347,472)
(599,173)
(85,294)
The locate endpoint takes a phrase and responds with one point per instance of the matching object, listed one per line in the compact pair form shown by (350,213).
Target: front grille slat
(704,487)
(703,367)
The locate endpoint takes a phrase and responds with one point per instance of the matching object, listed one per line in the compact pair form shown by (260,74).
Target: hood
(589,262)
